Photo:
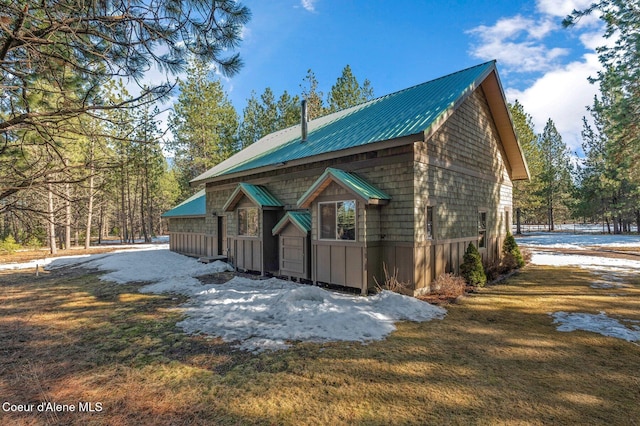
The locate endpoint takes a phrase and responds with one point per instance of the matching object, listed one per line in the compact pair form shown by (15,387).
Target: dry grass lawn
(496,358)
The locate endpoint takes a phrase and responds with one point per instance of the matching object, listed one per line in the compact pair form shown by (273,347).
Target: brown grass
(495,359)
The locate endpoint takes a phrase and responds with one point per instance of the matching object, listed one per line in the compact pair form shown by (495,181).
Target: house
(407,180)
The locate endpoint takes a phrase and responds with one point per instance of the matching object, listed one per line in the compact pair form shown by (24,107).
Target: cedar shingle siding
(459,167)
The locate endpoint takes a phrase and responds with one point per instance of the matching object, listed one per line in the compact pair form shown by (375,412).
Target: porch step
(209,259)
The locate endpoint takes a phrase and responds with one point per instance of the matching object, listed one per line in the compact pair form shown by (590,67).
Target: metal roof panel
(407,112)
(192,206)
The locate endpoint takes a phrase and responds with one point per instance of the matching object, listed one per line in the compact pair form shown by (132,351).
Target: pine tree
(527,201)
(263,116)
(618,108)
(347,92)
(471,269)
(555,176)
(315,104)
(288,110)
(57,55)
(204,125)
(510,248)
(250,129)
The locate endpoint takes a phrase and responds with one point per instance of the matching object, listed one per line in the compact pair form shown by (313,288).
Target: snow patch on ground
(611,272)
(600,323)
(577,241)
(267,314)
(257,315)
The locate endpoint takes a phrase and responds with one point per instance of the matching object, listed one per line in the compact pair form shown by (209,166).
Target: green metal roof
(407,112)
(350,181)
(258,194)
(192,206)
(302,220)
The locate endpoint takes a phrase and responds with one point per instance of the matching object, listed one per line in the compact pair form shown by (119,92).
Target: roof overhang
(258,194)
(301,220)
(351,182)
(193,207)
(517,164)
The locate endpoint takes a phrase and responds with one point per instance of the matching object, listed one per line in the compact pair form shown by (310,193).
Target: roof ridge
(436,79)
(328,132)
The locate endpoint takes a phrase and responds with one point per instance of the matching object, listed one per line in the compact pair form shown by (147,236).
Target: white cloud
(560,89)
(309,5)
(562,95)
(517,43)
(561,8)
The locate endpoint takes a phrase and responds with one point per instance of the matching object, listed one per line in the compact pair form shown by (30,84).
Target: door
(222,235)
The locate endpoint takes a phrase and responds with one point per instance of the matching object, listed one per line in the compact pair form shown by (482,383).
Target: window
(507,221)
(482,229)
(338,220)
(248,222)
(430,223)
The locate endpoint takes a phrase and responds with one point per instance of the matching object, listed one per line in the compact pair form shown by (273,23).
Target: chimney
(303,120)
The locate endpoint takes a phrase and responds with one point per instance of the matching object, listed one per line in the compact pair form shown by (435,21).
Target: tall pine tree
(204,125)
(527,201)
(347,92)
(555,175)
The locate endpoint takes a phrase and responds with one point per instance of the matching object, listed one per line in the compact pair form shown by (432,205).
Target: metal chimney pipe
(303,120)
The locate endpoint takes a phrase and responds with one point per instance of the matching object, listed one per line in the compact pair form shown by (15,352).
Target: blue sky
(397,44)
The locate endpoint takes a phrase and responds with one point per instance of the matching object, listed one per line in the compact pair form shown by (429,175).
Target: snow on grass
(166,271)
(75,259)
(600,323)
(612,273)
(266,314)
(577,241)
(257,315)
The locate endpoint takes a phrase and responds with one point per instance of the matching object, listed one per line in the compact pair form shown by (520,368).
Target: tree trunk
(518,230)
(87,238)
(67,224)
(123,206)
(52,226)
(100,223)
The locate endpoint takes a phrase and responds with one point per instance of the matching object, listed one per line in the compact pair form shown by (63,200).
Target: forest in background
(82,159)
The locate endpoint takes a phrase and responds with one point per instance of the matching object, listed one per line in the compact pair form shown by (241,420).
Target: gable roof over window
(258,194)
(301,220)
(406,116)
(351,182)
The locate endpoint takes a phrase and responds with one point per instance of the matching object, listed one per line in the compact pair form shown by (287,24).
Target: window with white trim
(248,221)
(429,222)
(337,220)
(482,229)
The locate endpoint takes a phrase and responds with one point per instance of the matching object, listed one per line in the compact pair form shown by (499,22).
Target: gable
(518,169)
(350,182)
(300,220)
(257,194)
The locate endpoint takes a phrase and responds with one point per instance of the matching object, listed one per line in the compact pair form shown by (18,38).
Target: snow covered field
(264,314)
(610,273)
